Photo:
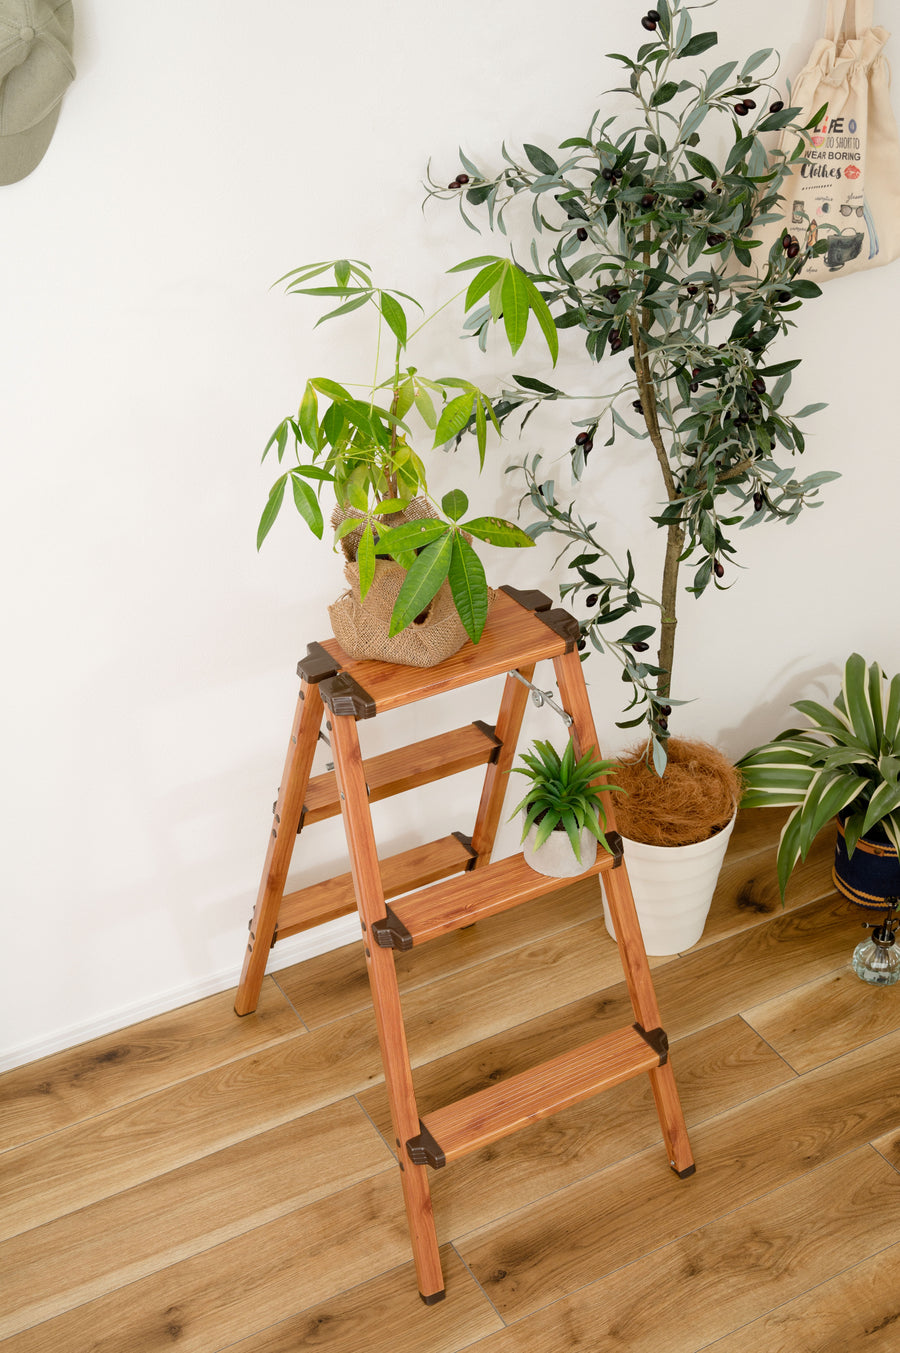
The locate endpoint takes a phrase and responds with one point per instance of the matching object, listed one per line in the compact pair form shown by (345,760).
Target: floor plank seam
(274,977)
(483,1292)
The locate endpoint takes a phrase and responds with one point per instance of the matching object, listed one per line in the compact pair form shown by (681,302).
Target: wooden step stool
(521,630)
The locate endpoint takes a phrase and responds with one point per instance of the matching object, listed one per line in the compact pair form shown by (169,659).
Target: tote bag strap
(848,18)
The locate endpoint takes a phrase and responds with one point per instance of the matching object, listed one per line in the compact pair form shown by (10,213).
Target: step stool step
(483,892)
(514,637)
(406,768)
(512,1104)
(335,897)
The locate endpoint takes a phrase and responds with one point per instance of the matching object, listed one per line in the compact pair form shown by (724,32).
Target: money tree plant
(361,445)
(640,235)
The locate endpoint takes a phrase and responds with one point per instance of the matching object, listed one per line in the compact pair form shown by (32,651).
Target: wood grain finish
(482,893)
(513,637)
(403,769)
(177,1186)
(416,868)
(510,1105)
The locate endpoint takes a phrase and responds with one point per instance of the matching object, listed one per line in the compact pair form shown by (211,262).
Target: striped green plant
(563,794)
(847,762)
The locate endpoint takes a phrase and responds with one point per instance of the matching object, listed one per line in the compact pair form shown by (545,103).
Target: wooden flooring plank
(333,985)
(243,1285)
(71,1260)
(68,1087)
(826,1018)
(126,1146)
(856,1312)
(379,1317)
(747,891)
(699,990)
(708,1283)
(584,1231)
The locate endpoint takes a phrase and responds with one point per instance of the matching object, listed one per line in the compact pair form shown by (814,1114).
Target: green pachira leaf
(422,582)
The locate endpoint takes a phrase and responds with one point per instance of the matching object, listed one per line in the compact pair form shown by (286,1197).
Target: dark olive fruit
(615,341)
(582,645)
(694,387)
(665,710)
(715,237)
(581,233)
(648,23)
(581,439)
(640,646)
(637,406)
(587,446)
(607,174)
(695,371)
(759,386)
(748,103)
(462,178)
(454,184)
(784,296)
(758,502)
(719,569)
(653,14)
(776,107)
(793,250)
(614,295)
(592,599)
(741,109)
(663,722)
(699,195)
(692,290)
(648,199)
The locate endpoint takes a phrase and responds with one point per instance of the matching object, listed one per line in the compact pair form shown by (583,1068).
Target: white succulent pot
(556,858)
(673,889)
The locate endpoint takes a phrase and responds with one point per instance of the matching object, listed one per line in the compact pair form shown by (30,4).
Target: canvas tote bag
(848,191)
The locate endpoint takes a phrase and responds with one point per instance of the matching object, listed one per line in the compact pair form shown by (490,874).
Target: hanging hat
(36,69)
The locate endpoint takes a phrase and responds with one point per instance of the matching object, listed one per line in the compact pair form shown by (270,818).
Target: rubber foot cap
(434,1298)
(685,1174)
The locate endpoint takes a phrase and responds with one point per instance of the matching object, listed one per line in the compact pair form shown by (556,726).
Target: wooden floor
(202,1182)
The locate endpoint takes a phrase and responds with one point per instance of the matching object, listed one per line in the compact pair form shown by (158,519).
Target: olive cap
(36,69)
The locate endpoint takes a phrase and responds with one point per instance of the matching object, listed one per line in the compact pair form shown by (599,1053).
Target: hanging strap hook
(540,697)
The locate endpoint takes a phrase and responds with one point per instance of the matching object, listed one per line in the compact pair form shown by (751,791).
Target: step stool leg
(294,781)
(509,725)
(386,1002)
(570,679)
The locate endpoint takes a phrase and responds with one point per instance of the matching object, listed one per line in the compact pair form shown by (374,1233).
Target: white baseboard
(294,949)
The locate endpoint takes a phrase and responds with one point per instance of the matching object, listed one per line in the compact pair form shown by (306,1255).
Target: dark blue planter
(871,875)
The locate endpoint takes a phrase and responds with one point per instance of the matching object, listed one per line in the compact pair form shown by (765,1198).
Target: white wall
(203,150)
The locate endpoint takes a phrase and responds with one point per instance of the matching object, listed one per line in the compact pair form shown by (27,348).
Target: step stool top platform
(514,636)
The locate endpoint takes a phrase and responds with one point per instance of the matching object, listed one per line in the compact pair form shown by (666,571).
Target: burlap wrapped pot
(361,627)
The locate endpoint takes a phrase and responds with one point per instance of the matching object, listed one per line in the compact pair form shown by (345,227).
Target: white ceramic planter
(556,858)
(673,889)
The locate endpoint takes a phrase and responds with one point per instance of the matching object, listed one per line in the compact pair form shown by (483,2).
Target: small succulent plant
(564,794)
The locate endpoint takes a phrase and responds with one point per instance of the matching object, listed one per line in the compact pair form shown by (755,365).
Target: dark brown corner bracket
(616,848)
(532,601)
(490,732)
(317,665)
(424,1150)
(657,1039)
(344,697)
(563,624)
(391,933)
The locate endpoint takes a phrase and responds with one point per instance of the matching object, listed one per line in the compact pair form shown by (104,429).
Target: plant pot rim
(697,846)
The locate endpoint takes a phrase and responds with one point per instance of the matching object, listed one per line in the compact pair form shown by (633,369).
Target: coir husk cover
(693,801)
